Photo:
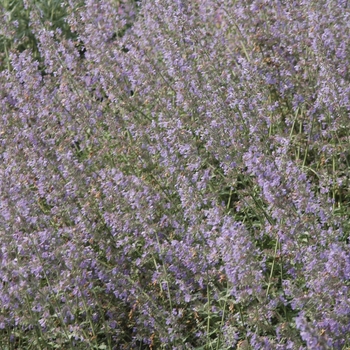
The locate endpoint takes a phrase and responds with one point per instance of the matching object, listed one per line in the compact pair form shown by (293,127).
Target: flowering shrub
(179,179)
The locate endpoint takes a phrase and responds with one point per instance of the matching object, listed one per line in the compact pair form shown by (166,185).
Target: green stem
(272,267)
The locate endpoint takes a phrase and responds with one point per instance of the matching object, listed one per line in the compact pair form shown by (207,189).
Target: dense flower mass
(175,175)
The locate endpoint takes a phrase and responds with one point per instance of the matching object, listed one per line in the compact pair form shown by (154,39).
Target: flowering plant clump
(175,175)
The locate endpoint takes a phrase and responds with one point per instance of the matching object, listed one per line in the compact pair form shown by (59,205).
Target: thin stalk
(166,274)
(208,316)
(229,199)
(7,59)
(38,331)
(221,323)
(51,289)
(94,337)
(272,267)
(293,125)
(334,181)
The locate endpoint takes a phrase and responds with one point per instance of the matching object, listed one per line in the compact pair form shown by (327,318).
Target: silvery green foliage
(180,180)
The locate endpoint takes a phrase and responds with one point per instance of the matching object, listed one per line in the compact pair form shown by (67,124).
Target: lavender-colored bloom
(184,181)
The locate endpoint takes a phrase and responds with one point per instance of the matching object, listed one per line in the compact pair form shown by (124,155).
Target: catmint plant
(174,175)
